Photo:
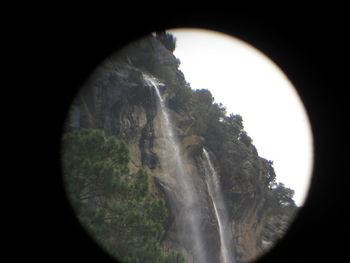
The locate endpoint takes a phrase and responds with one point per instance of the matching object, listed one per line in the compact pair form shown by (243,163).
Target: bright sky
(248,83)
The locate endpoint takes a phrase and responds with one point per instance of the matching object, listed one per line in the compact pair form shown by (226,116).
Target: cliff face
(118,100)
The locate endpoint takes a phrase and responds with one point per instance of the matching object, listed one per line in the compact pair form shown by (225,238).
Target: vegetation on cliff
(116,207)
(246,178)
(224,135)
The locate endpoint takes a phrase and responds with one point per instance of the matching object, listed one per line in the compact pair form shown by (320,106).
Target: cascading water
(215,193)
(191,220)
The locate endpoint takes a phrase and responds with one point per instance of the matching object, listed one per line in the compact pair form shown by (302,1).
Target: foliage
(226,137)
(280,209)
(116,207)
(180,98)
(93,164)
(167,39)
(234,124)
(271,175)
(282,196)
(245,138)
(206,113)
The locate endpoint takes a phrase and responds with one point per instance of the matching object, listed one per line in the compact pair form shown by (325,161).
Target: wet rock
(193,144)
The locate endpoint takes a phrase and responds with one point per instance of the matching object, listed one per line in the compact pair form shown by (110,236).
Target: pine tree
(115,207)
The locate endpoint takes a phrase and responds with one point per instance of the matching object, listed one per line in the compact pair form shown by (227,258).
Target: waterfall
(191,218)
(215,193)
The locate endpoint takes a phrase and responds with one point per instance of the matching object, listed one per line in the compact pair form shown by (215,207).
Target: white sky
(248,83)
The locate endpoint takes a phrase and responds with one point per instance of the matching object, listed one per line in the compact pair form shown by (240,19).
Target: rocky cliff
(118,100)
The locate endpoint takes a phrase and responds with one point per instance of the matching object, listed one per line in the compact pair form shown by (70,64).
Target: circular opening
(187,145)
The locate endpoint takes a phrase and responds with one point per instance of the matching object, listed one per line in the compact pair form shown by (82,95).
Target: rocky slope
(118,100)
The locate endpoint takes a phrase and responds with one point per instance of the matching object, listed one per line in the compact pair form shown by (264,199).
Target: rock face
(117,100)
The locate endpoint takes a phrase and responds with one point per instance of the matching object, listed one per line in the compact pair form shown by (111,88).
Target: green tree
(283,195)
(234,124)
(93,163)
(245,138)
(116,207)
(206,113)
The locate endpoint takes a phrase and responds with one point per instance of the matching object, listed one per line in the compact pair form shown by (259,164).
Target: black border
(56,47)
